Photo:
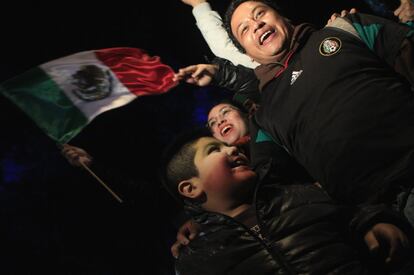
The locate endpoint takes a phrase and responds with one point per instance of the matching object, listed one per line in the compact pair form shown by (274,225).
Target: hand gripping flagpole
(60,146)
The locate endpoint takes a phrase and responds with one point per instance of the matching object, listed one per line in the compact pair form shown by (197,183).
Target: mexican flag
(64,95)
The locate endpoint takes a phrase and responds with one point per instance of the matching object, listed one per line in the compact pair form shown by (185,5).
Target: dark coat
(303,232)
(346,116)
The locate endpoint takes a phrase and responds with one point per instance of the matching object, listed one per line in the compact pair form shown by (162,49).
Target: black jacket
(348,116)
(303,232)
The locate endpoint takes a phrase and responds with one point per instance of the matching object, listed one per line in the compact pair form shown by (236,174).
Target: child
(251,226)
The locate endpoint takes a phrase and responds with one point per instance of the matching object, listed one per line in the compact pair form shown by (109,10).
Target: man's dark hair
(178,161)
(229,14)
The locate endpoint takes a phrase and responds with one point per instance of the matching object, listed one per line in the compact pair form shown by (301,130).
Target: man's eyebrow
(255,8)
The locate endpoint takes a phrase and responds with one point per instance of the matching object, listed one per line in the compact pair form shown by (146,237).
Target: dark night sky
(55,218)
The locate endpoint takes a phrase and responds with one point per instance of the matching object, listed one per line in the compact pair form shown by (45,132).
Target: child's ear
(190,188)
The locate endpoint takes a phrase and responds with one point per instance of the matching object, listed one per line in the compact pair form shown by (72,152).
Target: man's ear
(190,188)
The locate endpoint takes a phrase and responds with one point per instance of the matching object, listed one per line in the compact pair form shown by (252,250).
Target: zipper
(273,250)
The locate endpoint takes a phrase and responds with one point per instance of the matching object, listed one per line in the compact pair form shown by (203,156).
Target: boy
(251,226)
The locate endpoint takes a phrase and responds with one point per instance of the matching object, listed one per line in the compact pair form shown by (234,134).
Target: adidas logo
(295,75)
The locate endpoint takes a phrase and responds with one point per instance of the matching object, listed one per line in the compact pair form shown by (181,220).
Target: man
(339,99)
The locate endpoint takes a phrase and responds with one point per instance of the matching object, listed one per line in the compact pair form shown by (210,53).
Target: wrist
(197,2)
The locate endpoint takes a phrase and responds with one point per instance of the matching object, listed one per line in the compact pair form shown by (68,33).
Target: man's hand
(405,12)
(193,3)
(201,74)
(336,15)
(388,239)
(187,232)
(76,155)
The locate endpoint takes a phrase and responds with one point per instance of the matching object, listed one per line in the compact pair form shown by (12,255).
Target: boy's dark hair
(178,161)
(229,13)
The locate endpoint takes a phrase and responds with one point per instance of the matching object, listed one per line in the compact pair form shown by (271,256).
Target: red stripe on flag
(140,73)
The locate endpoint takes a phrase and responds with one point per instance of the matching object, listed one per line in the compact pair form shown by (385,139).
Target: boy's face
(261,31)
(223,170)
(226,123)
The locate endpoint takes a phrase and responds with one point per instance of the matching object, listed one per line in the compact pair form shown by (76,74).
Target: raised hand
(405,12)
(201,74)
(187,232)
(193,3)
(336,15)
(387,240)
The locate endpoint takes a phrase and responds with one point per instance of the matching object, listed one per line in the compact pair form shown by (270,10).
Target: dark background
(56,219)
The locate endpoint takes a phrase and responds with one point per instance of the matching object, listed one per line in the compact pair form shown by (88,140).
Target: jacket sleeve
(366,216)
(211,27)
(238,79)
(391,41)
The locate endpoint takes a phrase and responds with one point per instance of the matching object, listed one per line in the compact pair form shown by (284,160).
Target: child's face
(222,169)
(226,123)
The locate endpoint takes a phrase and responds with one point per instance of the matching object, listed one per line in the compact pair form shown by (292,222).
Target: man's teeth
(264,36)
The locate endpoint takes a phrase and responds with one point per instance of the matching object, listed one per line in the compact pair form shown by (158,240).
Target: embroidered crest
(330,46)
(92,83)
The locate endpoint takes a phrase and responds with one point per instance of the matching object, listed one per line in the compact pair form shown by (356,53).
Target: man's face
(223,170)
(261,31)
(226,123)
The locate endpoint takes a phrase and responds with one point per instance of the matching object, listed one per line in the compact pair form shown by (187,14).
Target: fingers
(193,3)
(182,239)
(182,236)
(184,72)
(390,240)
(372,242)
(405,12)
(406,16)
(175,249)
(199,70)
(333,17)
(398,10)
(76,156)
(353,10)
(189,72)
(193,229)
(201,74)
(397,244)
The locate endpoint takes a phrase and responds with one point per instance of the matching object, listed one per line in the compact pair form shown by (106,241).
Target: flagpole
(101,182)
(60,146)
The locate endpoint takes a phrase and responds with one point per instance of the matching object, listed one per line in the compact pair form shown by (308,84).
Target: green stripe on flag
(40,98)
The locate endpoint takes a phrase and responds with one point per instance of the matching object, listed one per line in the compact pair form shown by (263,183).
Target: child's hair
(229,14)
(178,160)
